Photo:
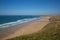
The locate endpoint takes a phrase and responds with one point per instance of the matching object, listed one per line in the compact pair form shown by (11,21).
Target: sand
(30,28)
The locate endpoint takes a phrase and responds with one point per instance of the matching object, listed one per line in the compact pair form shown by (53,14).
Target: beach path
(30,28)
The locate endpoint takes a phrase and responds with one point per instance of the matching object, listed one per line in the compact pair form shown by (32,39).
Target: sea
(12,20)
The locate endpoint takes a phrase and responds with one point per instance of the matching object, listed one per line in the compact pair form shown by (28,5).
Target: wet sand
(28,28)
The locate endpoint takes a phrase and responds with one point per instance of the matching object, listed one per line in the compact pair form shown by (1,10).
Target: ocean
(12,20)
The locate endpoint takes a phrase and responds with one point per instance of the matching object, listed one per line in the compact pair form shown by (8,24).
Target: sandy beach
(28,28)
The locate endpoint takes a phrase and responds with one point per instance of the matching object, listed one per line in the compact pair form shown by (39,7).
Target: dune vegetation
(50,32)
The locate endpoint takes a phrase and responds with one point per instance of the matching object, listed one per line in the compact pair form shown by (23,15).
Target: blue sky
(29,7)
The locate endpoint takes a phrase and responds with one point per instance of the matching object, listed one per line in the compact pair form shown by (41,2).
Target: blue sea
(12,20)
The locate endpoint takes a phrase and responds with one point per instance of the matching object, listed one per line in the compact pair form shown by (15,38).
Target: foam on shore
(10,24)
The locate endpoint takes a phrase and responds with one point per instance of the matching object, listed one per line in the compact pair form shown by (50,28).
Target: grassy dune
(49,32)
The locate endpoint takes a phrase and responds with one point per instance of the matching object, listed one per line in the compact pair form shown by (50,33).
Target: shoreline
(30,28)
(10,30)
(4,32)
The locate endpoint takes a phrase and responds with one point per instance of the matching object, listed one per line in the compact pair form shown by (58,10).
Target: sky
(29,7)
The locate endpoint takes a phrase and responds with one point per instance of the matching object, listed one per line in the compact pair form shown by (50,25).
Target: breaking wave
(17,22)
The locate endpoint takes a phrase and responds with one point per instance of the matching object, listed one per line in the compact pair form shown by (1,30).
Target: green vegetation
(55,18)
(49,32)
